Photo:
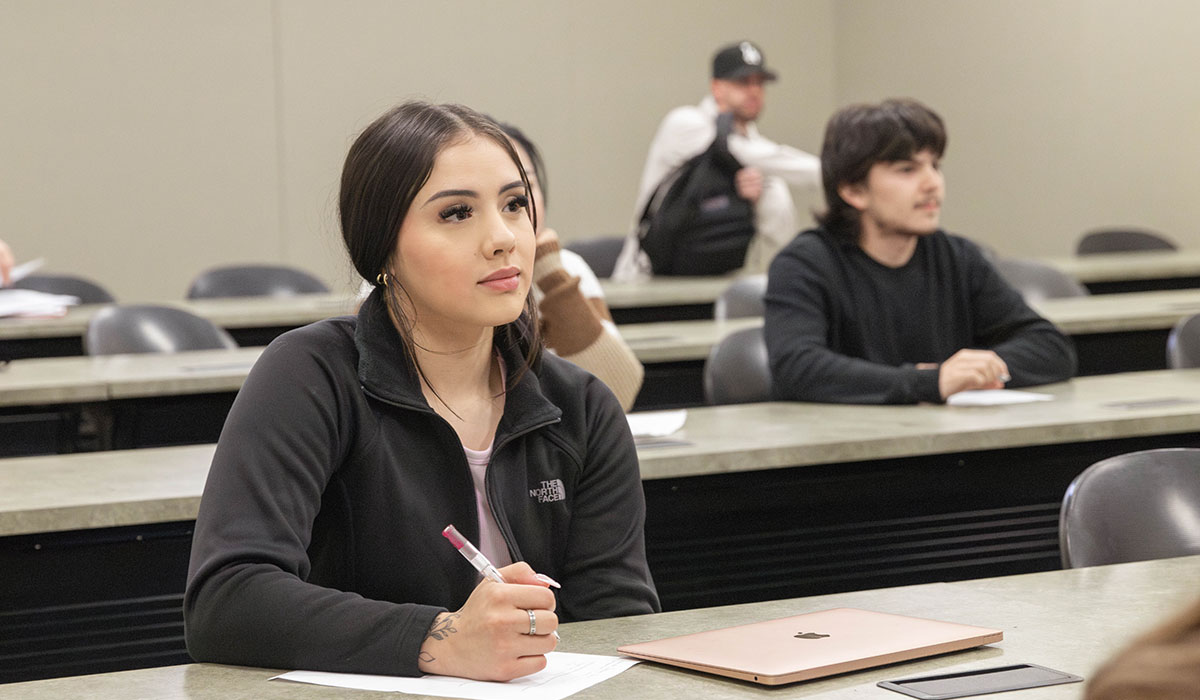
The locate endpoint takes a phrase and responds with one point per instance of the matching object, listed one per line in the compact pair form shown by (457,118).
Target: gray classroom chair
(599,253)
(88,291)
(137,328)
(1120,240)
(1037,281)
(737,370)
(1132,507)
(254,281)
(1183,343)
(742,298)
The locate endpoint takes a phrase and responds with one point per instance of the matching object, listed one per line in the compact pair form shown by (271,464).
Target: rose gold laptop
(813,645)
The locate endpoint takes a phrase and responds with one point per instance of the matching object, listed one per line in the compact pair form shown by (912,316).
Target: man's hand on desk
(969,369)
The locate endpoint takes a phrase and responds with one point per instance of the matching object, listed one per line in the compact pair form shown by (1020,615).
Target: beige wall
(144,140)
(1063,114)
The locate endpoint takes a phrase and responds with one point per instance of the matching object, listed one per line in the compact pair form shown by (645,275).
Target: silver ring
(532,622)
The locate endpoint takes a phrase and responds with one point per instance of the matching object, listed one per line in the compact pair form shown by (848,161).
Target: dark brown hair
(859,136)
(535,156)
(386,167)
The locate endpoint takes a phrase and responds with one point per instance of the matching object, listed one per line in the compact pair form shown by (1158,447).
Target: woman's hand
(546,235)
(488,638)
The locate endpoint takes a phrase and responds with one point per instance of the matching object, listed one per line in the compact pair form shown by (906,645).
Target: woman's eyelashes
(462,212)
(517,203)
(456,212)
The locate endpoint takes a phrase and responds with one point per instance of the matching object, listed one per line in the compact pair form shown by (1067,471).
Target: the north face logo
(549,492)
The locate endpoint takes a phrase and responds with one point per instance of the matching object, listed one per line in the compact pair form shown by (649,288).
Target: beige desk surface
(1101,313)
(652,342)
(1132,311)
(50,380)
(1128,266)
(264,312)
(1070,620)
(672,341)
(664,291)
(76,379)
(99,489)
(243,312)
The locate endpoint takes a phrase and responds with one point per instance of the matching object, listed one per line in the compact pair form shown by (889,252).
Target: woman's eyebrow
(515,184)
(451,193)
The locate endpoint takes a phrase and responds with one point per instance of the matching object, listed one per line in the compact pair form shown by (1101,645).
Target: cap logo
(750,55)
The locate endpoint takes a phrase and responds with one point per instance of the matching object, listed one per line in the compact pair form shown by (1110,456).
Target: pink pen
(480,562)
(465,548)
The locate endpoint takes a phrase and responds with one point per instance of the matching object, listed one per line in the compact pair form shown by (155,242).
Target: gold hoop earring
(381,279)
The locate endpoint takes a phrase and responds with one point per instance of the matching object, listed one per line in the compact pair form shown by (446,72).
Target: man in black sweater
(878,305)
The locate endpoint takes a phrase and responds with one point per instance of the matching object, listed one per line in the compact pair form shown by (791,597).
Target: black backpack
(695,223)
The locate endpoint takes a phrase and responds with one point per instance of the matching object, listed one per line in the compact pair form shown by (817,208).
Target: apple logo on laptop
(810,635)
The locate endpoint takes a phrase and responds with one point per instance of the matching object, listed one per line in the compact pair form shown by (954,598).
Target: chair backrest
(600,253)
(88,291)
(737,370)
(1183,343)
(1036,281)
(1141,505)
(254,281)
(132,328)
(742,298)
(1120,240)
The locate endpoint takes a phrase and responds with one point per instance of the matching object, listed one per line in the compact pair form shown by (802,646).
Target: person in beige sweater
(576,322)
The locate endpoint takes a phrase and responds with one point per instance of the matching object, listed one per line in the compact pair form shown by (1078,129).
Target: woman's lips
(505,280)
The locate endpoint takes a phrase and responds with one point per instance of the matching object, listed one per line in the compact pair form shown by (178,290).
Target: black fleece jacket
(842,328)
(318,544)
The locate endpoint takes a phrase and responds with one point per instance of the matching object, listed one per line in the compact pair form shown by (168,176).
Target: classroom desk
(664,298)
(258,320)
(1070,620)
(812,498)
(1111,333)
(186,394)
(132,400)
(252,321)
(1132,271)
(175,398)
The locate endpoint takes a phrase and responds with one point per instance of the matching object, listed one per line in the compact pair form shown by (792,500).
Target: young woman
(355,441)
(575,321)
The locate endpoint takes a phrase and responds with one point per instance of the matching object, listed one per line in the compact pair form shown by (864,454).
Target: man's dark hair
(859,136)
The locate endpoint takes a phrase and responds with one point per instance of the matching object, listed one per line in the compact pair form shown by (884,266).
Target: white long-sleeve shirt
(686,132)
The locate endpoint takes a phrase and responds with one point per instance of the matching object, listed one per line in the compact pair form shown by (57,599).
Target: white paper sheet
(656,423)
(565,674)
(995,397)
(26,302)
(24,269)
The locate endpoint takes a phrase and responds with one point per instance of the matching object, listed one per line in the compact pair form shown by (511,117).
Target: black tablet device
(979,682)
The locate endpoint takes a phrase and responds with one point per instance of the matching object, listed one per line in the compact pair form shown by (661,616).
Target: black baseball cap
(740,60)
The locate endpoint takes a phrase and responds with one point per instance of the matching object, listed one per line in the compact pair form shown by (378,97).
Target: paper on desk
(24,269)
(995,397)
(27,302)
(656,423)
(565,674)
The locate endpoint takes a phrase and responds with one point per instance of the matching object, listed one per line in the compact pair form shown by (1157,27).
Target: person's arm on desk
(1034,351)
